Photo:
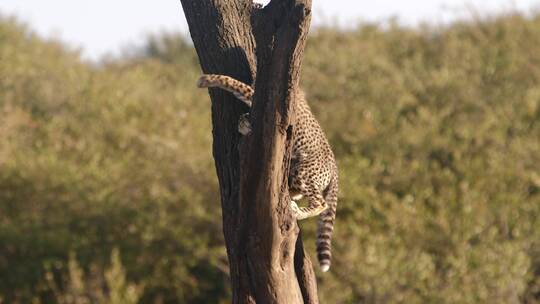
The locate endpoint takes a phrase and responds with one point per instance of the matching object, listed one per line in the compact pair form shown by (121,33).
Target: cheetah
(313,172)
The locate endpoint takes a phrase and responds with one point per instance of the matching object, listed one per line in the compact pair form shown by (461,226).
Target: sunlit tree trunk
(234,37)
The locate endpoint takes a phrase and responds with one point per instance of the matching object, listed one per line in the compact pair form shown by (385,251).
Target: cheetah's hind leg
(315,207)
(244,126)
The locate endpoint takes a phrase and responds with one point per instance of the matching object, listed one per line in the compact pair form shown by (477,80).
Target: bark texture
(266,257)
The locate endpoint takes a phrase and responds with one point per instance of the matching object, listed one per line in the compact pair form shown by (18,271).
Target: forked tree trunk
(233,37)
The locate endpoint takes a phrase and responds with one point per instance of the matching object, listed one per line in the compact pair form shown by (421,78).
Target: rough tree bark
(266,256)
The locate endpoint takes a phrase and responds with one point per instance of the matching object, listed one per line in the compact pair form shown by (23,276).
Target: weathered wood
(266,257)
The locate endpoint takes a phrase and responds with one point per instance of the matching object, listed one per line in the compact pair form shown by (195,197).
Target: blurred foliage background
(108,191)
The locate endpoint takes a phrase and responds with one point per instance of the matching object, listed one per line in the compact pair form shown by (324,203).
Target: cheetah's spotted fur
(313,173)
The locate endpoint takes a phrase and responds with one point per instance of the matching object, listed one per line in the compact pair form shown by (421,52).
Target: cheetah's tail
(326,227)
(241,90)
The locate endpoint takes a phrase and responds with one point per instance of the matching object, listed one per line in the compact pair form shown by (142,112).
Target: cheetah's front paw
(244,126)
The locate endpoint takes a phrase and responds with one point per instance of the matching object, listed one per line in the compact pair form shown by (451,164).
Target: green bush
(436,131)
(109,287)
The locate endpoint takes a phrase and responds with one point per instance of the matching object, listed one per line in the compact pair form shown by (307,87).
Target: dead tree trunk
(266,256)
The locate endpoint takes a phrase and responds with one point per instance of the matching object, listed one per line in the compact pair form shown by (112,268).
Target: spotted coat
(313,174)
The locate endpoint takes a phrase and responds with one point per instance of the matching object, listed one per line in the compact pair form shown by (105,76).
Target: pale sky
(105,26)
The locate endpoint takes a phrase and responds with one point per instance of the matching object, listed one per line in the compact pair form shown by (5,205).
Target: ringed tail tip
(325,267)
